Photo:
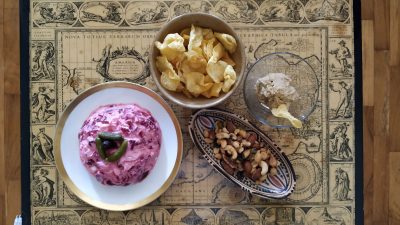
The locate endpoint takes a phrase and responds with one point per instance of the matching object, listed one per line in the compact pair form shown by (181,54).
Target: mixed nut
(239,151)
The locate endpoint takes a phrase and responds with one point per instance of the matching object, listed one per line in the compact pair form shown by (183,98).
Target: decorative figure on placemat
(160,12)
(192,218)
(44,188)
(285,216)
(182,9)
(224,12)
(333,10)
(113,14)
(54,14)
(67,12)
(103,62)
(130,56)
(293,10)
(148,13)
(101,12)
(342,54)
(342,185)
(205,7)
(238,11)
(340,143)
(327,9)
(38,155)
(42,146)
(343,108)
(41,103)
(47,13)
(235,217)
(43,62)
(72,80)
(326,219)
(104,217)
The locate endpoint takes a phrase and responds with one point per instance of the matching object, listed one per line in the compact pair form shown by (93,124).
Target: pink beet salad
(123,161)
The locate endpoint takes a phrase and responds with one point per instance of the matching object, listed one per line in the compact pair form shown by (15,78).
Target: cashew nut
(236,131)
(225,130)
(222,142)
(264,155)
(216,150)
(231,151)
(273,171)
(236,144)
(243,133)
(273,162)
(246,143)
(257,157)
(208,140)
(222,135)
(233,136)
(264,167)
(241,149)
(246,153)
(206,133)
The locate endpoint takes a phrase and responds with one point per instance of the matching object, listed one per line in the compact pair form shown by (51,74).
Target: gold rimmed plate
(82,183)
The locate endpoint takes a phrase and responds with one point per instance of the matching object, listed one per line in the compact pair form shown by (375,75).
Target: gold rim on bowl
(60,166)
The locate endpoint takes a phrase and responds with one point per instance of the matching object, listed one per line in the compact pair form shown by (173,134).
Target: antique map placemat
(76,44)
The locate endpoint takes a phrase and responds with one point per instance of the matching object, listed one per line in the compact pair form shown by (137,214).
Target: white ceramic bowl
(207,21)
(82,183)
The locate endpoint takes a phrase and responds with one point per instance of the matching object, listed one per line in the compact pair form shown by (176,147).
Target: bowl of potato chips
(197,60)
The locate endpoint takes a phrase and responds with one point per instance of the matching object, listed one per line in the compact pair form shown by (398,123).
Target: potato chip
(168,83)
(207,47)
(172,46)
(229,78)
(195,83)
(169,79)
(207,34)
(214,90)
(216,70)
(196,37)
(186,67)
(185,33)
(217,53)
(176,63)
(227,41)
(196,61)
(227,58)
(163,64)
(208,79)
(282,111)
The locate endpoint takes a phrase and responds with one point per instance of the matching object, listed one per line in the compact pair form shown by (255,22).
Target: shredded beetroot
(138,127)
